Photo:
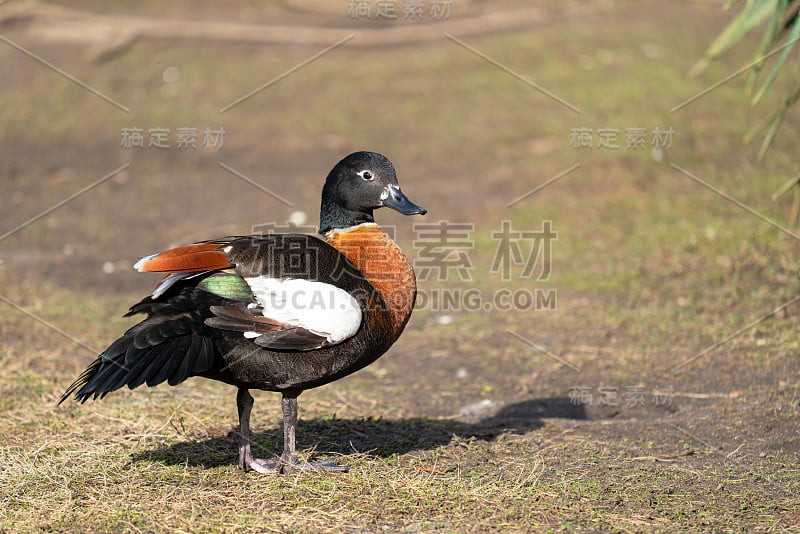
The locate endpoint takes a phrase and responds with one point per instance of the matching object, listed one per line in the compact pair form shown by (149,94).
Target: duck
(275,312)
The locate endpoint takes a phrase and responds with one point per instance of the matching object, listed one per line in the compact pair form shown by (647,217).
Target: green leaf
(767,42)
(783,18)
(753,14)
(777,120)
(793,37)
(782,190)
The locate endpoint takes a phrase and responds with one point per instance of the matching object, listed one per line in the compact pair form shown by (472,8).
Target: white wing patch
(324,309)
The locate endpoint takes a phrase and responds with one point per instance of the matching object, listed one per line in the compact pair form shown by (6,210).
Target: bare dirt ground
(659,393)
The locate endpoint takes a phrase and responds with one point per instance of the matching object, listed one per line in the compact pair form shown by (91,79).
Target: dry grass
(461,427)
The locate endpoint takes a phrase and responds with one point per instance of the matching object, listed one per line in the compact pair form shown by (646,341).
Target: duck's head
(356,186)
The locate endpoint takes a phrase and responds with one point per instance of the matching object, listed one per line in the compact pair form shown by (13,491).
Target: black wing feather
(205,356)
(138,367)
(184,370)
(171,359)
(149,365)
(172,343)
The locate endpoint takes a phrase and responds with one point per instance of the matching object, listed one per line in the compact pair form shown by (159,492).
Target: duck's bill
(394,198)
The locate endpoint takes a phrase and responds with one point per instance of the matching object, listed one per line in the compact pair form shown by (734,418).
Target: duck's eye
(367,175)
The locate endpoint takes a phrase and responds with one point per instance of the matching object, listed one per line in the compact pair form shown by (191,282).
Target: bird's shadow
(372,436)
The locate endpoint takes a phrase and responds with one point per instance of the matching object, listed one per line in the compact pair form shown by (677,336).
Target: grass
(460,427)
(517,481)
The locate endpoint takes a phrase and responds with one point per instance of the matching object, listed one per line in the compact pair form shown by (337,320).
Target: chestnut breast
(384,266)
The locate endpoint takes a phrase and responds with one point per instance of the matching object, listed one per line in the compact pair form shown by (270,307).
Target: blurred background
(127,128)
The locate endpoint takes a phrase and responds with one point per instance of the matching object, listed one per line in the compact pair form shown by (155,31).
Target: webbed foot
(289,464)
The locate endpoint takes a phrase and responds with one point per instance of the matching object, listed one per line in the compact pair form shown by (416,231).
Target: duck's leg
(289,457)
(244,403)
(288,460)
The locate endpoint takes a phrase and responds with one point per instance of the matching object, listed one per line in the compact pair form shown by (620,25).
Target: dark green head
(356,186)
